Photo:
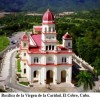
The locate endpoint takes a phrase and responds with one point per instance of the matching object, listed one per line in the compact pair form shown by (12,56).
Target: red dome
(48,16)
(67,36)
(24,37)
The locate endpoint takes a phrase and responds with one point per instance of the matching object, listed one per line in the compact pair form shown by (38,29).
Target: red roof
(62,48)
(24,37)
(34,49)
(37,39)
(48,16)
(38,28)
(67,36)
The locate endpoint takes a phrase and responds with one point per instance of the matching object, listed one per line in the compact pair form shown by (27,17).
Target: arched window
(36,60)
(24,54)
(24,44)
(45,29)
(63,59)
(24,63)
(53,47)
(24,70)
(53,29)
(46,47)
(49,29)
(34,73)
(49,47)
(68,43)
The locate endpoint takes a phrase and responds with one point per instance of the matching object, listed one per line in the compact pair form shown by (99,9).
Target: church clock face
(49,58)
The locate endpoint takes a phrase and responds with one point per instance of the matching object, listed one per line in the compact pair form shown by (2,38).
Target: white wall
(65,43)
(56,73)
(47,26)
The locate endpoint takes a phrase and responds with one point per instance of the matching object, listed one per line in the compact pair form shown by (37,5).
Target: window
(53,37)
(24,63)
(49,29)
(68,43)
(49,37)
(53,47)
(24,44)
(24,71)
(46,47)
(53,29)
(45,29)
(63,59)
(49,58)
(49,47)
(34,73)
(36,60)
(24,54)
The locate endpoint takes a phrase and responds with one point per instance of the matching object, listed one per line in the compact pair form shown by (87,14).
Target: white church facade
(43,60)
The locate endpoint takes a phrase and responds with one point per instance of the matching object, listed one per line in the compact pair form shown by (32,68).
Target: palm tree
(85,78)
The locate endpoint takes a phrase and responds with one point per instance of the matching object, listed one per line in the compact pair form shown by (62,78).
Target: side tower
(67,41)
(23,54)
(48,32)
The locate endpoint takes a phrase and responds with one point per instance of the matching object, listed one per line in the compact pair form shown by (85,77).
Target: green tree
(85,79)
(97,65)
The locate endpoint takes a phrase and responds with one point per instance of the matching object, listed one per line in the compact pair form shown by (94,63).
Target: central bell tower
(49,40)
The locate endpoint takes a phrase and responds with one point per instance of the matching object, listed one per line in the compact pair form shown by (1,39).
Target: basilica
(43,59)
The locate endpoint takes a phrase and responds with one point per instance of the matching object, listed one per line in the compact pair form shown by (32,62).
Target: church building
(43,59)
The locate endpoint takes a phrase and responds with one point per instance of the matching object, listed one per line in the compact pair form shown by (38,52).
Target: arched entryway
(36,76)
(49,76)
(63,76)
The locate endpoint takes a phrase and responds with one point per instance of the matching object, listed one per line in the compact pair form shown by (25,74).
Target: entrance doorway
(49,77)
(36,76)
(63,76)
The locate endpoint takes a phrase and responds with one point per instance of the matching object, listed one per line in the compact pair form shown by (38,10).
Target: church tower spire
(48,32)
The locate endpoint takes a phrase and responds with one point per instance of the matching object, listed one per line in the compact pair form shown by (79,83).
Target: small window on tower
(46,47)
(24,44)
(68,43)
(49,37)
(53,47)
(45,29)
(49,47)
(63,59)
(53,29)
(49,29)
(36,60)
(24,54)
(24,63)
(24,71)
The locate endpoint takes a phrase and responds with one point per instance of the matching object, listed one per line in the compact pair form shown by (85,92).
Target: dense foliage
(4,42)
(86,80)
(84,28)
(18,22)
(42,5)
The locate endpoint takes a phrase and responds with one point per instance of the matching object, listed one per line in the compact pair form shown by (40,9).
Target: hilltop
(42,5)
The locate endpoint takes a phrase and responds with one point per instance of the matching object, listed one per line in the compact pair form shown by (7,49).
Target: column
(55,59)
(43,78)
(58,76)
(30,75)
(55,76)
(39,77)
(69,74)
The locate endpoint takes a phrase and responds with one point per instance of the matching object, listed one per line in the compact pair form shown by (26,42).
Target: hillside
(41,5)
